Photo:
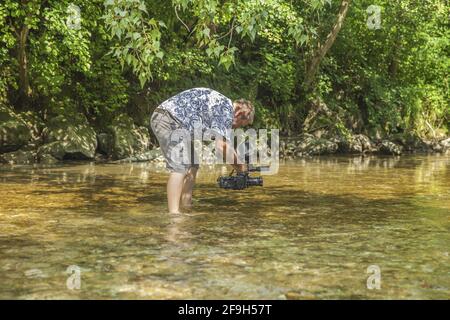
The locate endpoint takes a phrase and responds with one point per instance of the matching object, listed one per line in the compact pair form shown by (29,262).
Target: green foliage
(58,51)
(138,35)
(396,74)
(393,78)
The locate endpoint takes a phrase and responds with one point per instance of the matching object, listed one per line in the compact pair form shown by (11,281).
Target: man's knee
(191,173)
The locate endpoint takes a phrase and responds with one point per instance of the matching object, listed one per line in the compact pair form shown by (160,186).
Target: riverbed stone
(437,146)
(411,142)
(47,159)
(105,143)
(445,145)
(69,138)
(127,138)
(390,148)
(307,145)
(310,145)
(152,155)
(14,132)
(323,146)
(357,143)
(19,157)
(36,126)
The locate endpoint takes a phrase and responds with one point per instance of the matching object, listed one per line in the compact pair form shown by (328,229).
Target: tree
(322,49)
(21,20)
(279,53)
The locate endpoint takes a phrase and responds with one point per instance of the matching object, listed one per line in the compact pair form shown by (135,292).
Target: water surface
(311,232)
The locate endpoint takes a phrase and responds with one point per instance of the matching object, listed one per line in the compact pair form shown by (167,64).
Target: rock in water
(127,138)
(154,155)
(14,132)
(105,143)
(310,145)
(47,159)
(69,138)
(445,144)
(357,143)
(410,142)
(19,157)
(388,147)
(323,146)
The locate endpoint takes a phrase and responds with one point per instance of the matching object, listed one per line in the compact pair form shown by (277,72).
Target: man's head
(244,113)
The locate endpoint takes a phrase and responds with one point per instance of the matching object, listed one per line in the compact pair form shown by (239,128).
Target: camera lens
(255,181)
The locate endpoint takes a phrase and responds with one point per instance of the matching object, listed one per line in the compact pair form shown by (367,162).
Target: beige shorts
(164,125)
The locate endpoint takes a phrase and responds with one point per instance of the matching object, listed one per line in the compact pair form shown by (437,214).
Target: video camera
(240,180)
(243,180)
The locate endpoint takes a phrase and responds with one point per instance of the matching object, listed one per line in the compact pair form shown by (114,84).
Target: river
(312,231)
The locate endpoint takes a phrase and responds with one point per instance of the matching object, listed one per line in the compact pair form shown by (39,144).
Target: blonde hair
(247,107)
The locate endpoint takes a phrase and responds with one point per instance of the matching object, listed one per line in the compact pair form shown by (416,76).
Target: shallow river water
(312,231)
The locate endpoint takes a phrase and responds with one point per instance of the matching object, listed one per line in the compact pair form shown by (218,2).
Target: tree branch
(178,17)
(231,32)
(322,50)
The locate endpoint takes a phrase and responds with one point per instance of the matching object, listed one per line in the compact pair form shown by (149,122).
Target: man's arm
(224,146)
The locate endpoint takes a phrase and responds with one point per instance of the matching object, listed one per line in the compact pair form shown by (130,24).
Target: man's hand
(240,167)
(223,147)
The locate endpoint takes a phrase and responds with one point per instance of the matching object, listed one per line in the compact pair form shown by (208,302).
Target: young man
(186,110)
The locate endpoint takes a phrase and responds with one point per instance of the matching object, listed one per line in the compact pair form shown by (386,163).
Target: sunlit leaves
(396,75)
(208,24)
(138,36)
(227,58)
(318,4)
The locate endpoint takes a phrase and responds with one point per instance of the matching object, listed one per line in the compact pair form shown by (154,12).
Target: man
(186,110)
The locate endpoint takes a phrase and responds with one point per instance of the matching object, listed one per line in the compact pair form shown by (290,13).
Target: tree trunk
(322,49)
(24,82)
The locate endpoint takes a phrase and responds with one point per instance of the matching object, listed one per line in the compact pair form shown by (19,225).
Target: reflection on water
(311,232)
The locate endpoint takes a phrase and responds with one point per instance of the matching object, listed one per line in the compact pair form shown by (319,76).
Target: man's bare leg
(188,186)
(174,189)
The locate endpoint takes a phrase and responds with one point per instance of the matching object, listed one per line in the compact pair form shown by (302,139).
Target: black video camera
(240,180)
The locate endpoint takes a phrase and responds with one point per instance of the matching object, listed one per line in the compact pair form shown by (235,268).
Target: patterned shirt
(201,107)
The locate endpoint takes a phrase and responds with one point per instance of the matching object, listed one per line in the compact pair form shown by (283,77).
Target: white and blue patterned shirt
(201,106)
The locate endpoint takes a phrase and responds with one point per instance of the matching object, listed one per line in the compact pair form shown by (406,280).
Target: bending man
(214,112)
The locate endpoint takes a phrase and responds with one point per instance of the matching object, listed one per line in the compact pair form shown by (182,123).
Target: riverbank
(26,139)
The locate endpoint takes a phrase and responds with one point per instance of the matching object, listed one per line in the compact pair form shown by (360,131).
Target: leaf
(142,7)
(206,32)
(303,39)
(160,55)
(142,79)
